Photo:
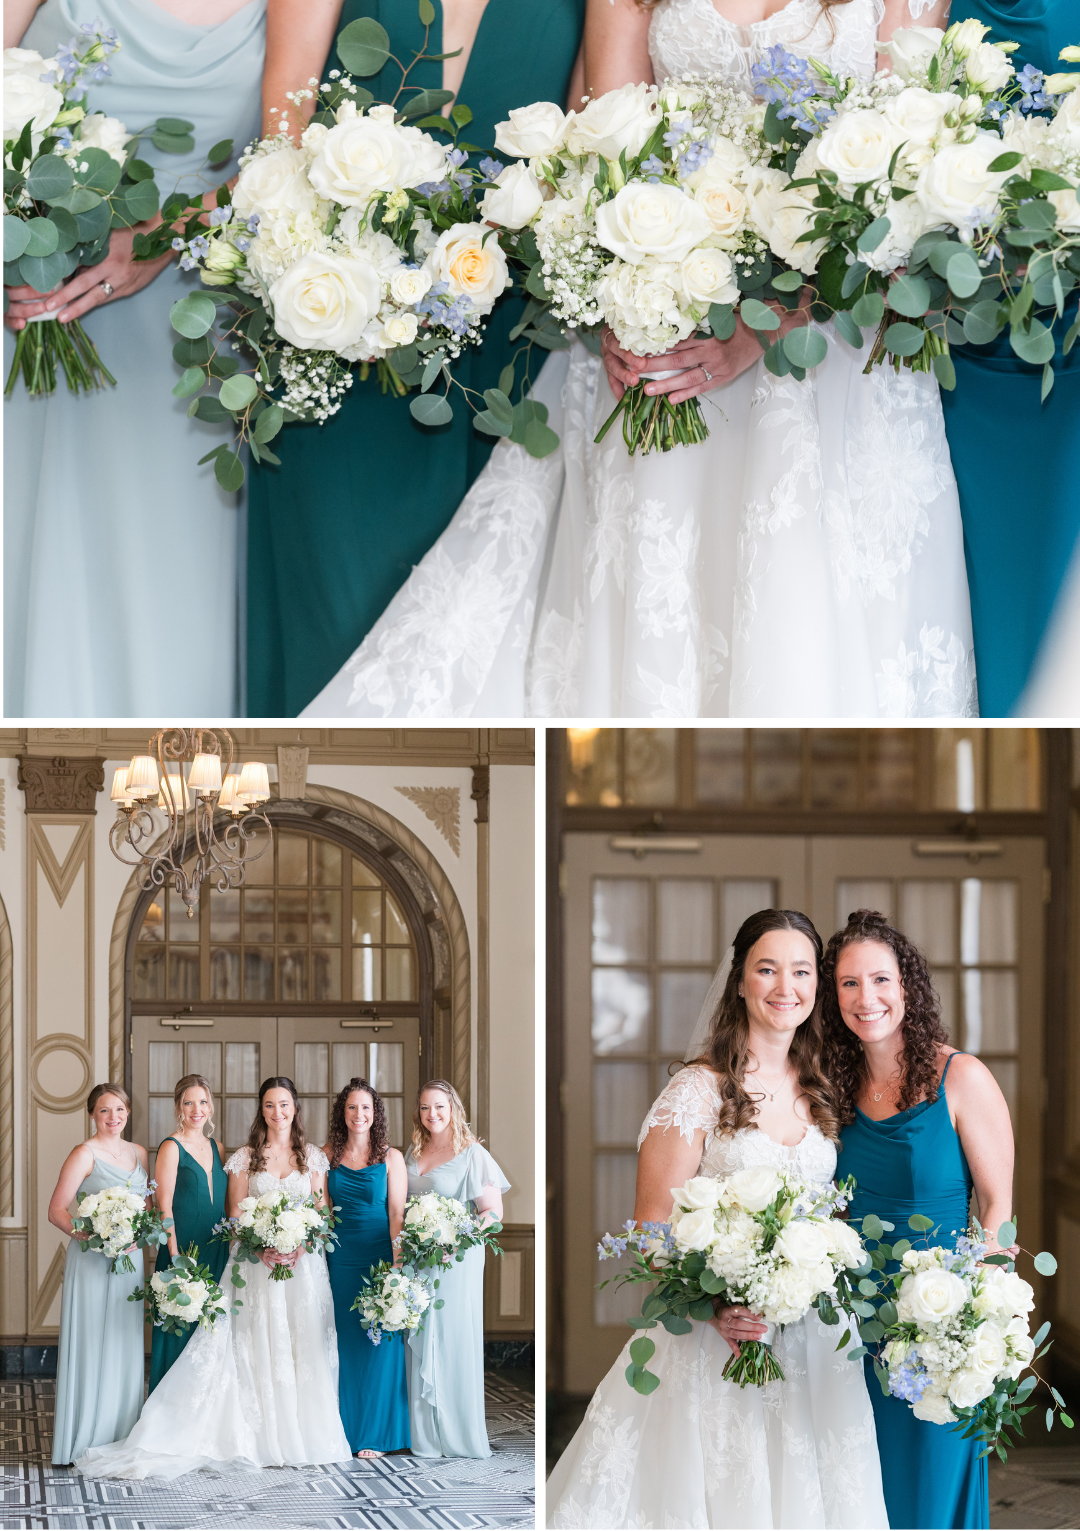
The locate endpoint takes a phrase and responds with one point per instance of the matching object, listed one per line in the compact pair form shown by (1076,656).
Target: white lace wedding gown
(806,560)
(701,1452)
(257,1390)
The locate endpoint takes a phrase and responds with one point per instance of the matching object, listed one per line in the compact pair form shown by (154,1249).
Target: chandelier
(187,776)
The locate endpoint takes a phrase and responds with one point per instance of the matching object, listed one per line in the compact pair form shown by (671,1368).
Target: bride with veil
(699,1451)
(805,560)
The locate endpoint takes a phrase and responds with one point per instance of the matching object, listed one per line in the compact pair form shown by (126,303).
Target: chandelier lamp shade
(184,814)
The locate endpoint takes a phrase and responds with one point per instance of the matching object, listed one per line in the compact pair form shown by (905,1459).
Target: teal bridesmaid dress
(446,1357)
(195,1210)
(1014,458)
(335,531)
(110,525)
(99,1371)
(372,1394)
(914,1162)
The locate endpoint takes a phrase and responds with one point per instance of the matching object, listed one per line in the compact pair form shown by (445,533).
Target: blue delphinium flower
(218,216)
(429,188)
(490,168)
(1035,98)
(694,157)
(909,1380)
(200,245)
(652,169)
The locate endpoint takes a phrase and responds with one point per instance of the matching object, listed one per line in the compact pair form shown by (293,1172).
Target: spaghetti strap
(948,1060)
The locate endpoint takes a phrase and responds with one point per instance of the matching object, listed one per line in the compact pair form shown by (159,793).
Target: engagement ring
(708,374)
(107,288)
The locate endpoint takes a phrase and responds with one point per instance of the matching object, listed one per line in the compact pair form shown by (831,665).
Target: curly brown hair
(378,1132)
(728,1049)
(924,1035)
(257,1136)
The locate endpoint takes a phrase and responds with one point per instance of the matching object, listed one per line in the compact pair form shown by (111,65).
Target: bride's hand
(735,1324)
(83,290)
(270,1258)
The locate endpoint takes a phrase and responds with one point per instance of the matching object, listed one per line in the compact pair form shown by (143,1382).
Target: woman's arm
(299,35)
(75,1168)
(982,1122)
(397,1191)
(616,46)
(576,89)
(18,14)
(168,1162)
(238,1189)
(665,1159)
(489,1205)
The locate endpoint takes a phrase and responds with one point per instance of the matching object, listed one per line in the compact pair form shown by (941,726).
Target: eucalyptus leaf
(963,274)
(192,316)
(1034,344)
(847,327)
(427,13)
(102,173)
(646,1383)
(16,237)
(239,391)
(856,275)
(1045,1263)
(491,424)
(211,410)
(49,177)
(789,281)
(403,359)
(981,322)
(940,254)
(499,405)
(174,125)
(363,47)
(671,1321)
(428,101)
(80,199)
(904,340)
(945,371)
(642,1350)
(873,235)
(170,143)
(1006,1234)
(42,236)
(910,296)
(506,379)
(138,170)
(722,320)
(920,1222)
(868,310)
(805,347)
(541,441)
(221,152)
(758,315)
(431,409)
(191,381)
(229,471)
(94,223)
(871,1226)
(43,272)
(431,371)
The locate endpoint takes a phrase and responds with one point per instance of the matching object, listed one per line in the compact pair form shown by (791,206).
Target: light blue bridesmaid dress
(122,556)
(912,1162)
(446,1357)
(99,1372)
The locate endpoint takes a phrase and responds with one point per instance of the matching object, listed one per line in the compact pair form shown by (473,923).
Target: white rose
(916,115)
(1017,1295)
(268,1199)
(755,1189)
(906,222)
(1067,208)
(249,1202)
(471,266)
(1020,1345)
(1065,128)
(957,187)
(290,1221)
(933,1407)
(323,302)
(987,68)
(844,1243)
(701,1191)
(366,155)
(313,137)
(1026,136)
(514,200)
(28,99)
(782,215)
(986,1350)
(621,119)
(100,132)
(724,205)
(858,146)
(910,1259)
(963,36)
(969,1387)
(651,220)
(912,48)
(25,61)
(693,1230)
(396,1315)
(531,130)
(804,1244)
(274,184)
(247,1219)
(931,1295)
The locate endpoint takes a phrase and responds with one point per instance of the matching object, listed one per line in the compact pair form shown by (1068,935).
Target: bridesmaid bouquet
(439,1229)
(115,1219)
(955,1333)
(392,1299)
(761,1238)
(932,203)
(70,178)
(635,212)
(183,1295)
(276,1221)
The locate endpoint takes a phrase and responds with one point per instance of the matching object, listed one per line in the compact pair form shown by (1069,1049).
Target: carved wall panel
(60,784)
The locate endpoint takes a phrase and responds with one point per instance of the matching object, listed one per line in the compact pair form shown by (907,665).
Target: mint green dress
(99,1369)
(195,1210)
(446,1357)
(335,531)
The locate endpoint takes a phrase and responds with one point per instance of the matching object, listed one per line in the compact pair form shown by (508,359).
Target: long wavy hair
(924,1035)
(257,1136)
(378,1132)
(461,1134)
(728,1048)
(194,1081)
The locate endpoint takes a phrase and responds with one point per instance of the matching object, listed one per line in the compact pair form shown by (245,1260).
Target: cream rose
(706,277)
(514,200)
(987,68)
(621,119)
(933,1407)
(1016,1295)
(535,130)
(916,115)
(1067,208)
(931,1295)
(363,156)
(470,266)
(323,302)
(957,187)
(100,132)
(646,220)
(754,1189)
(724,205)
(912,48)
(969,1387)
(694,1230)
(399,330)
(274,185)
(804,1244)
(29,100)
(408,286)
(783,215)
(701,1191)
(857,146)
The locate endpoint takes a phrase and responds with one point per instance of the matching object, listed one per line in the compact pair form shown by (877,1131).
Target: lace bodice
(692,1101)
(294,1184)
(690,36)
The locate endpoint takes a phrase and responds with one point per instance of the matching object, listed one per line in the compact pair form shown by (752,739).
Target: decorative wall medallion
(60,785)
(292,771)
(442,805)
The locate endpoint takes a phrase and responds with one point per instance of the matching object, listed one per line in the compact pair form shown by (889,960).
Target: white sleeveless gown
(806,560)
(702,1452)
(257,1390)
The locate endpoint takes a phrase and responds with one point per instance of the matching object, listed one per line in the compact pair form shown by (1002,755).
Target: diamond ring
(107,288)
(708,374)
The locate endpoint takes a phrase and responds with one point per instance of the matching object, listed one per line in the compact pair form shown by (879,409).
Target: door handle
(369,1025)
(176,1021)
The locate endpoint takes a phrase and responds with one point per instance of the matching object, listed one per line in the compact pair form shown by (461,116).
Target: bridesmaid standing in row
(366,1185)
(99,1373)
(191,1187)
(927,1124)
(446,1357)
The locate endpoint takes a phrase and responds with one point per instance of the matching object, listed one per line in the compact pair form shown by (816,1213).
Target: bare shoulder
(220,1150)
(142,1156)
(81,1157)
(969,1081)
(168,1147)
(396,1158)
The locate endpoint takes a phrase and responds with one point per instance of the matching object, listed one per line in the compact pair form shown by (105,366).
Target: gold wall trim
(7,1071)
(61,879)
(45,1295)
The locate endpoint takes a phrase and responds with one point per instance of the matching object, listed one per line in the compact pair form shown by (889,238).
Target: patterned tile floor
(390,1492)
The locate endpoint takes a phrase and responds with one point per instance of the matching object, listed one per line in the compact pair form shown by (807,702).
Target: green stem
(755,1365)
(651,423)
(42,345)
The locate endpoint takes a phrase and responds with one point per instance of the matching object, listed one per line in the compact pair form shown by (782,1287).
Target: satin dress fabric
(914,1162)
(195,1211)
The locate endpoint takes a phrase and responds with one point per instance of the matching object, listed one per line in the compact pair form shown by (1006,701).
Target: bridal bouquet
(439,1229)
(361,245)
(392,1299)
(956,1335)
(70,178)
(762,1238)
(635,212)
(184,1294)
(929,203)
(115,1219)
(278,1221)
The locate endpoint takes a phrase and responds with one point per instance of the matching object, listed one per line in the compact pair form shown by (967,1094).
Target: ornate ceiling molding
(442,805)
(60,784)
